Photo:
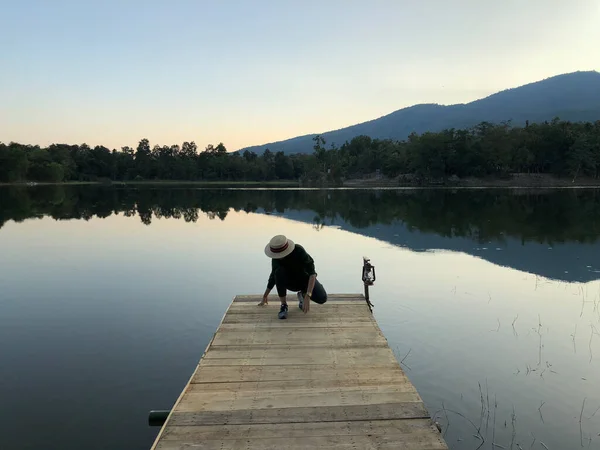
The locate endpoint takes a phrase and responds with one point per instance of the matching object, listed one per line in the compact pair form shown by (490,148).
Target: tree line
(560,148)
(479,215)
(62,162)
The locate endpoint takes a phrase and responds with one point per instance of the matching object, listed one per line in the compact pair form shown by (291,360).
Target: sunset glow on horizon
(249,73)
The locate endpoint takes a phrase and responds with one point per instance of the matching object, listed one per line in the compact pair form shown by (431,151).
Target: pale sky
(250,72)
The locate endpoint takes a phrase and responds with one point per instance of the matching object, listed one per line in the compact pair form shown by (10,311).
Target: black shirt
(299,266)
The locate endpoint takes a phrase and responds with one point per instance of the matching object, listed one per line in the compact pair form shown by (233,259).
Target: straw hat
(279,247)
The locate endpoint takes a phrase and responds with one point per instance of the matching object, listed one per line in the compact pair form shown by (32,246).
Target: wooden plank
(293,300)
(377,350)
(287,388)
(352,312)
(295,385)
(300,336)
(284,356)
(224,374)
(330,311)
(288,324)
(412,442)
(204,433)
(408,434)
(295,312)
(223,401)
(330,298)
(386,411)
(387,434)
(291,345)
(343,301)
(294,317)
(301,332)
(344,360)
(343,307)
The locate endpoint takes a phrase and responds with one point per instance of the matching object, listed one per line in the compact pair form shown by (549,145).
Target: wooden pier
(326,379)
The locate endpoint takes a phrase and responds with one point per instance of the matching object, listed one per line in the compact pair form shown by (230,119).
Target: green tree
(13,163)
(581,157)
(143,159)
(283,166)
(320,151)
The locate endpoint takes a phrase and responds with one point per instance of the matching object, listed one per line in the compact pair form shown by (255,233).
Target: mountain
(574,96)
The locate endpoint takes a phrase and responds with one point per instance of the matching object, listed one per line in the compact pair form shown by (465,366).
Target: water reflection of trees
(481,215)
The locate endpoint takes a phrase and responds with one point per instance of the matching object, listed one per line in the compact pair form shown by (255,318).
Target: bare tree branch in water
(482,407)
(540,335)
(494,429)
(446,411)
(580,424)
(513,420)
(447,419)
(590,344)
(497,329)
(406,356)
(533,442)
(487,394)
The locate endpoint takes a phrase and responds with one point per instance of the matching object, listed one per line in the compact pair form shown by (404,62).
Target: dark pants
(285,283)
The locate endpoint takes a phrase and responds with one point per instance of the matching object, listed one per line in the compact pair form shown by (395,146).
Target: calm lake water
(108,297)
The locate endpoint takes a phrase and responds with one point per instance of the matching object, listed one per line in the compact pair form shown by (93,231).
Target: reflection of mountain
(566,262)
(523,224)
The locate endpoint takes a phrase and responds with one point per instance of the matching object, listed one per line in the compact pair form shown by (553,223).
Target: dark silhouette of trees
(560,148)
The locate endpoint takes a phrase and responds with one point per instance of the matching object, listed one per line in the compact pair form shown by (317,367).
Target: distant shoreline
(516,181)
(283,183)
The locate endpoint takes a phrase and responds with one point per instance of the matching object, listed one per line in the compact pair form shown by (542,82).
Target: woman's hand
(265,299)
(306,304)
